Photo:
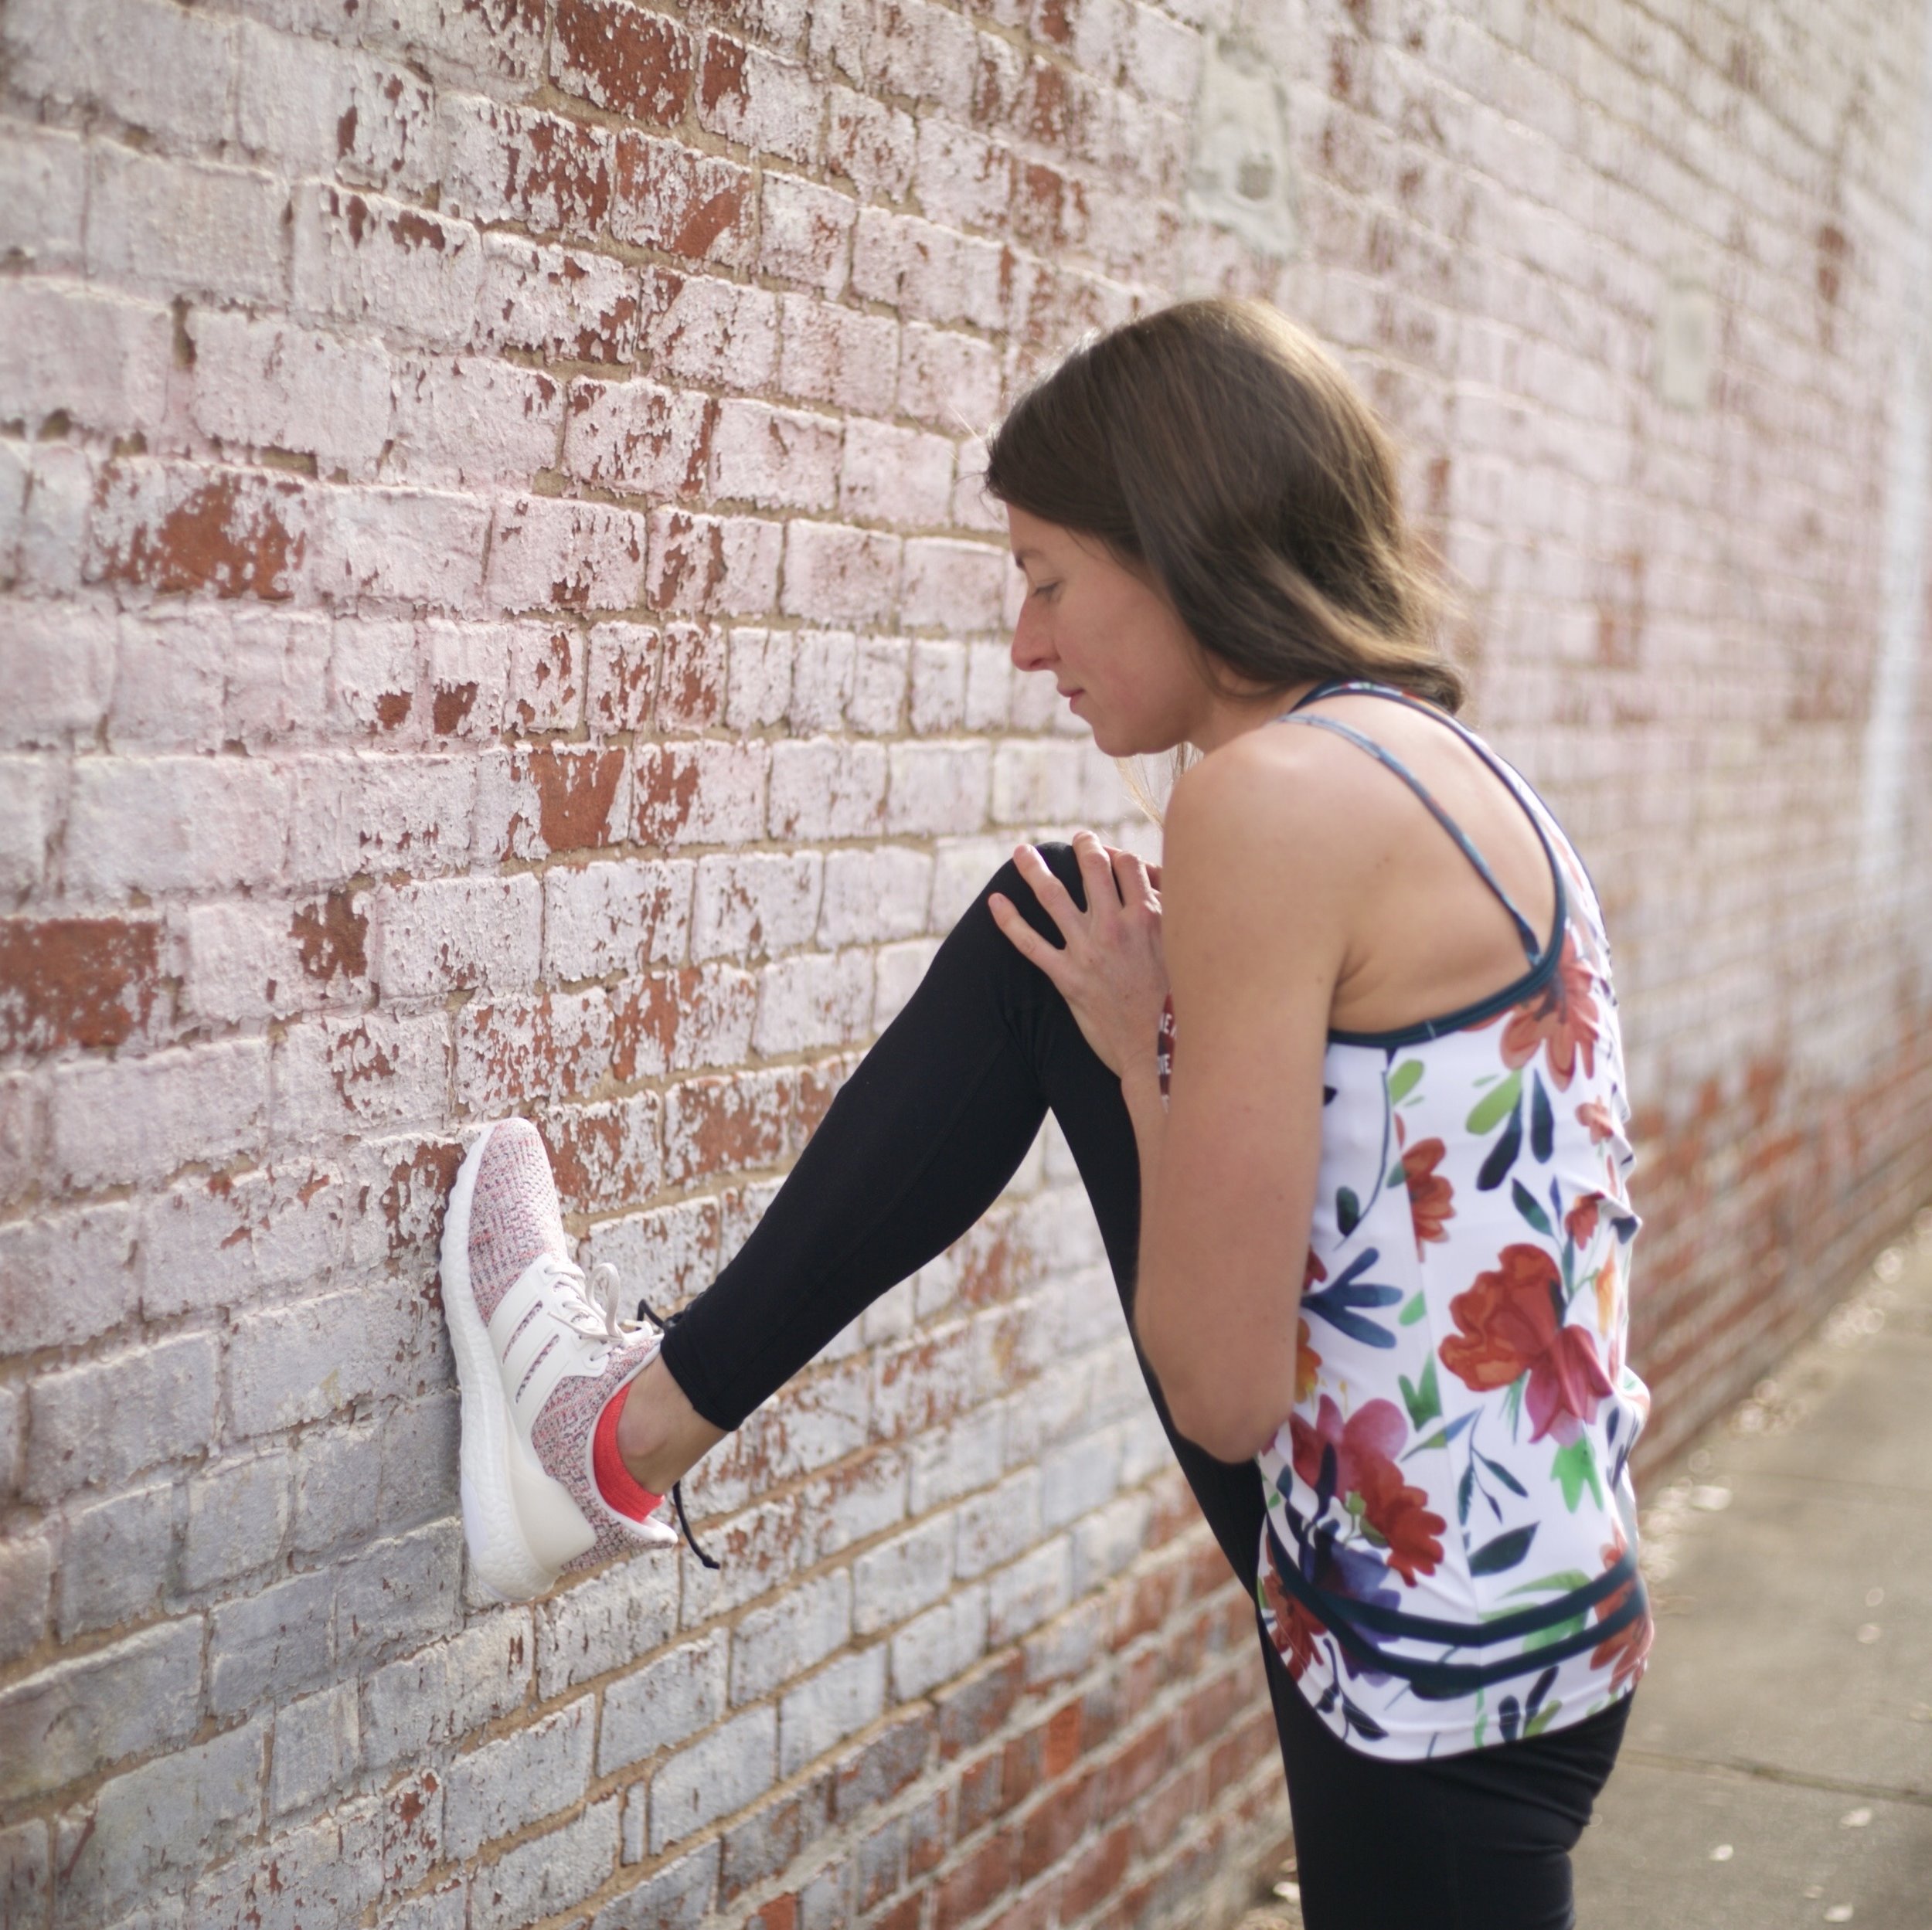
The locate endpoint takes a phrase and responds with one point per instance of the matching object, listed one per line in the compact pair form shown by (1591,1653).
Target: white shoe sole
(520,1523)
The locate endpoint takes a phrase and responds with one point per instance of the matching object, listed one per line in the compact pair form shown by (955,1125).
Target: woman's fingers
(1027,942)
(1055,899)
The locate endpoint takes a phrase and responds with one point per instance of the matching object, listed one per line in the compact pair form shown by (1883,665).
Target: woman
(1366,1207)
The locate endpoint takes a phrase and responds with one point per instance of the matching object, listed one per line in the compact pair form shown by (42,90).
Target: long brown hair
(1225,451)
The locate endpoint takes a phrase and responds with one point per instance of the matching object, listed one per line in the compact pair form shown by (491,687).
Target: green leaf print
(1575,1466)
(1541,1720)
(1423,1402)
(1564,1581)
(1403,1080)
(1490,1109)
(1347,1210)
(1547,1638)
(1413,1311)
(1526,1205)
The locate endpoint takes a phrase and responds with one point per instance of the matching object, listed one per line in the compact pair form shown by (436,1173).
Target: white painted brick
(622,676)
(1077,1478)
(729,1768)
(940,1645)
(636,437)
(85,1711)
(825,665)
(26,1873)
(43,189)
(937,788)
(774,458)
(167,1817)
(61,663)
(955,1460)
(897,1579)
(369,813)
(603,919)
(237,1520)
(55,520)
(444,1692)
(96,1424)
(155,66)
(677,1898)
(176,824)
(842,1698)
(171,228)
(603,1623)
(430,940)
(894,475)
(835,574)
(336,1077)
(548,1874)
(98,361)
(328,1871)
(360,259)
(421,1442)
(659,1706)
(300,1363)
(1105,1542)
(401,1591)
(507,1785)
(878,701)
(755,905)
(952,586)
(338,1475)
(117,1560)
(66,1276)
(804,233)
(759,678)
(564,303)
(881,893)
(716,332)
(822,789)
(264,385)
(834,354)
(814,999)
(318,1748)
(470,423)
(270,1643)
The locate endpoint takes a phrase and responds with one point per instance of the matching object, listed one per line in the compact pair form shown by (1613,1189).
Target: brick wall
(496,614)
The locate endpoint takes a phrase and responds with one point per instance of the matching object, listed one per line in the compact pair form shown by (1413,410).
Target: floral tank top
(1449,1558)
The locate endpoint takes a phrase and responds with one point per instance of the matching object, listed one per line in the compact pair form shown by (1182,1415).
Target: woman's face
(1116,649)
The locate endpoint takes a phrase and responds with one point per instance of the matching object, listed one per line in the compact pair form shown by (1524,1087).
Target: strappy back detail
(1541,956)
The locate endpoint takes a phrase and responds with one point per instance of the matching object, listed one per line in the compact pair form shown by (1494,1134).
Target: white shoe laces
(587,1305)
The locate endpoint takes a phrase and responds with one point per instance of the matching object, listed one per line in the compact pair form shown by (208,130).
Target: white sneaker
(540,1352)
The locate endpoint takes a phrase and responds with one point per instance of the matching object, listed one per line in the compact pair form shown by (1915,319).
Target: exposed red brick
(576,790)
(332,936)
(231,534)
(974,1885)
(75,981)
(623,57)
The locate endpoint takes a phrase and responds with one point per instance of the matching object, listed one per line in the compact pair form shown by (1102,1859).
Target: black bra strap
(1531,944)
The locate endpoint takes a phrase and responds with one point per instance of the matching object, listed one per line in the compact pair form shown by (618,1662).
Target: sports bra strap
(1531,944)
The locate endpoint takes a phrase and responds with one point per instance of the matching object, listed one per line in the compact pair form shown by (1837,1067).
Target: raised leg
(918,1145)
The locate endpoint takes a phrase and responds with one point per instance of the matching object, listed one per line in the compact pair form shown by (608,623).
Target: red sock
(615,1481)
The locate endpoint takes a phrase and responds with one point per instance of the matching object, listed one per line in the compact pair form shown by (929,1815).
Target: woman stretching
(1365,1203)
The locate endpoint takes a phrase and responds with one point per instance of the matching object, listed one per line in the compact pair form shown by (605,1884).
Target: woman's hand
(1111,971)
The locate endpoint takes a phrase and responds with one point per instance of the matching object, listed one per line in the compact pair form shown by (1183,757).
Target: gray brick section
(1081,1476)
(771,1645)
(98,1424)
(26,1876)
(302,1363)
(338,1481)
(272,1643)
(730,1767)
(67,1275)
(505,1786)
(419,1462)
(605,1622)
(432,1698)
(317,1747)
(678,1898)
(898,1580)
(326,1873)
(547,1875)
(944,1642)
(175,1814)
(406,1590)
(238,1519)
(995,1527)
(26,1574)
(80,1715)
(839,1701)
(1023,1596)
(663,1703)
(117,1559)
(445,1908)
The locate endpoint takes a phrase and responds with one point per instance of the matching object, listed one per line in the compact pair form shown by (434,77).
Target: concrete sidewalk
(1778,1768)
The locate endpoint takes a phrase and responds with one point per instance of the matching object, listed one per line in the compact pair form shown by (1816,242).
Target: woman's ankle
(661,1436)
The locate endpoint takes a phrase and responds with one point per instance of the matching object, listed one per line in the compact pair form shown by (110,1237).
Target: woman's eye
(1042,589)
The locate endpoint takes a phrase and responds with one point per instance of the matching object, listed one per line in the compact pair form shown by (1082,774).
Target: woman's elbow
(1229,1429)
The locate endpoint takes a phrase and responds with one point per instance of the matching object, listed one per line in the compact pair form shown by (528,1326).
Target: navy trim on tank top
(1543,964)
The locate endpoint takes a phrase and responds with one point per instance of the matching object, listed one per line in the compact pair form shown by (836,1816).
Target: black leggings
(919,1142)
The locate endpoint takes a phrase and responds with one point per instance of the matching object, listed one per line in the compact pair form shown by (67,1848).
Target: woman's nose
(1030,649)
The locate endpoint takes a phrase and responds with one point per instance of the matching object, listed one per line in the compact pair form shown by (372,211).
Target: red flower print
(1559,1022)
(1628,1648)
(1430,1194)
(1596,1115)
(1313,1273)
(1580,1221)
(1292,1629)
(1307,1363)
(1365,1446)
(1509,1325)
